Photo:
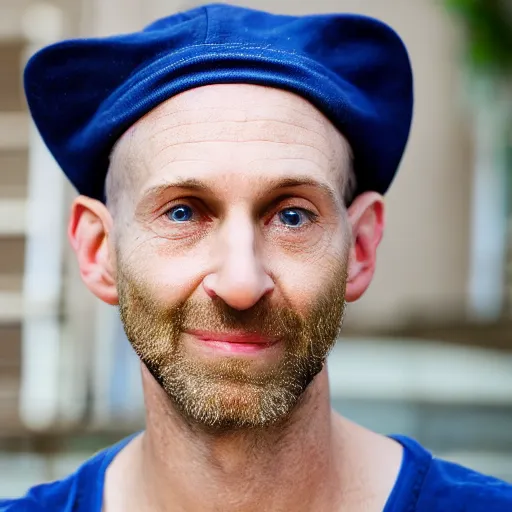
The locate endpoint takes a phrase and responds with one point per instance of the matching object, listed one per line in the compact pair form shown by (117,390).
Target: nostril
(208,285)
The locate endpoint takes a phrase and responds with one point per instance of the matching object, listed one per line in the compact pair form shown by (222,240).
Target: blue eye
(293,217)
(180,213)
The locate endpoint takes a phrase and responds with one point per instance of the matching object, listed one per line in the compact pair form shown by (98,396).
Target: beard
(231,393)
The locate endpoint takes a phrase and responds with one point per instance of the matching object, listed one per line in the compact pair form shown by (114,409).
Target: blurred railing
(13,201)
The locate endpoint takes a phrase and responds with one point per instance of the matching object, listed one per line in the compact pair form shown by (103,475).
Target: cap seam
(207,28)
(184,60)
(242,46)
(247,46)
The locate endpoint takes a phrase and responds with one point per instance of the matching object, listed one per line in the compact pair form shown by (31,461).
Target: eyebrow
(304,181)
(274,184)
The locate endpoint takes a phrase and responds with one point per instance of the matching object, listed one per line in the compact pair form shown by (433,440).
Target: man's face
(231,244)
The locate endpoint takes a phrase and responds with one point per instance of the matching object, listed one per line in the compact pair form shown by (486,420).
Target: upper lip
(232,337)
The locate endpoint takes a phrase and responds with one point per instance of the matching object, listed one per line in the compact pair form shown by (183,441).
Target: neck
(307,465)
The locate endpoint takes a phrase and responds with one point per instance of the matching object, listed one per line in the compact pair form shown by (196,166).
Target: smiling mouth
(238,342)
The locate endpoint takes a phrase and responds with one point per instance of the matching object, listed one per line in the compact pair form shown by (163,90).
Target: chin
(221,404)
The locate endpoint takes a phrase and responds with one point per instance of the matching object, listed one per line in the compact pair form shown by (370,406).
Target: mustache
(263,318)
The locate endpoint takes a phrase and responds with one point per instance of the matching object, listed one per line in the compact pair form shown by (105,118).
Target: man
(231,165)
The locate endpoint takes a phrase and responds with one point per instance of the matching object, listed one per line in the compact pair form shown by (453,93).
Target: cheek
(303,277)
(169,271)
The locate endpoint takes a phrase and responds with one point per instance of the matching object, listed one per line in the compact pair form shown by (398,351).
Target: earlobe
(366,217)
(88,231)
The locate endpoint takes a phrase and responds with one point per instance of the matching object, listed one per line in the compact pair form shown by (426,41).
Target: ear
(88,231)
(366,217)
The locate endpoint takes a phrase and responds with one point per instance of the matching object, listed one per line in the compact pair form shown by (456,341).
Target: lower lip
(236,348)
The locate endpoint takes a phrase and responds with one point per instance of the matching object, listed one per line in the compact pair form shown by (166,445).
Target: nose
(240,278)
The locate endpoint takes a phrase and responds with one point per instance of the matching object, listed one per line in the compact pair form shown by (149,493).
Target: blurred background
(427,352)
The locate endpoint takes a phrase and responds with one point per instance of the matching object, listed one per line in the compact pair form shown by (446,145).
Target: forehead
(238,131)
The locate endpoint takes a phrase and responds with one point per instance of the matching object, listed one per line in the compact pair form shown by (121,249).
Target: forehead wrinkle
(247,122)
(236,131)
(160,110)
(239,96)
(280,164)
(226,141)
(231,114)
(168,156)
(198,101)
(175,116)
(333,162)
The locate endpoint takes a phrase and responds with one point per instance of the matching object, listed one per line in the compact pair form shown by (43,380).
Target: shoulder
(81,489)
(44,497)
(449,486)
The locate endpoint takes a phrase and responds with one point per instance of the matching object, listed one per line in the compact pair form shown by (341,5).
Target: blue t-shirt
(424,484)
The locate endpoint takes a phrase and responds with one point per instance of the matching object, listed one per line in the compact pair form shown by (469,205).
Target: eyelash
(312,217)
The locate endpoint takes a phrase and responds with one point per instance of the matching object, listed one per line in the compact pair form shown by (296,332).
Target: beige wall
(423,261)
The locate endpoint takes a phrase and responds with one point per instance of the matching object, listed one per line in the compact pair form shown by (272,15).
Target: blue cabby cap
(84,94)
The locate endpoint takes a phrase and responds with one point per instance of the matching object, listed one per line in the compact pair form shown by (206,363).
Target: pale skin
(247,152)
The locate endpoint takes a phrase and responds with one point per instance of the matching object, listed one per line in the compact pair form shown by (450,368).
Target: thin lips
(232,337)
